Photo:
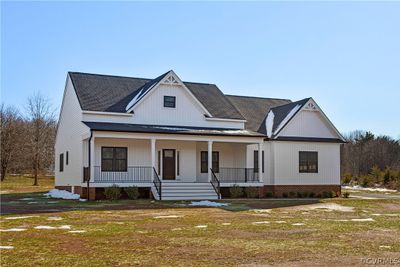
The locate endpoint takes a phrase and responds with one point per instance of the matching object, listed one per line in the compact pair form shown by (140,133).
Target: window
(66,158)
(61,162)
(256,161)
(177,163)
(204,161)
(169,101)
(308,161)
(114,159)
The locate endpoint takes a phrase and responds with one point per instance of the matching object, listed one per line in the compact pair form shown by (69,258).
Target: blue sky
(345,55)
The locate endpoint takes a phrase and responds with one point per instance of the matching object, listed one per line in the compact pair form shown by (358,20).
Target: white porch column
(210,143)
(260,163)
(153,156)
(92,156)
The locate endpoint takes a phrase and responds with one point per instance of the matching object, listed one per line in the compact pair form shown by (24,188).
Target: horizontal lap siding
(286,163)
(69,138)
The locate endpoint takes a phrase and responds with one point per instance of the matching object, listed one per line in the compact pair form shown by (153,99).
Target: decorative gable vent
(170,80)
(310,107)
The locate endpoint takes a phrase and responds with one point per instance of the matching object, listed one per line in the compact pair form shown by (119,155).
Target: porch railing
(238,175)
(157,182)
(133,174)
(215,183)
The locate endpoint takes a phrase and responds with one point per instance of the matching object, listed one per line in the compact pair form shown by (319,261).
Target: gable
(151,109)
(309,121)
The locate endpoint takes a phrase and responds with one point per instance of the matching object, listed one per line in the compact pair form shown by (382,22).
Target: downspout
(89,156)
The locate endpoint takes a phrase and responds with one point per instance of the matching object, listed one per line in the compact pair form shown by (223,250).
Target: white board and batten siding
(151,111)
(69,138)
(309,124)
(285,165)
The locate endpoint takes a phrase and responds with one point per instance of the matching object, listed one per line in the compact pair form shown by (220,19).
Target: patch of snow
(77,231)
(201,226)
(262,210)
(280,221)
(48,227)
(270,123)
(389,214)
(296,224)
(44,227)
(52,202)
(383,246)
(226,223)
(33,202)
(26,198)
(357,187)
(63,194)
(363,220)
(167,216)
(20,217)
(207,203)
(4,191)
(13,230)
(361,197)
(54,218)
(323,206)
(6,247)
(176,229)
(262,222)
(287,118)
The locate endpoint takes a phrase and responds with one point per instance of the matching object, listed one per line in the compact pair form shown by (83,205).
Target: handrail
(215,183)
(238,175)
(157,182)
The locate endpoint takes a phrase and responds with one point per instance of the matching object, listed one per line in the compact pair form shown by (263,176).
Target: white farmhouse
(185,140)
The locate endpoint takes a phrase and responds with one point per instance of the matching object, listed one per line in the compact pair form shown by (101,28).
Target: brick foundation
(278,190)
(97,193)
(64,187)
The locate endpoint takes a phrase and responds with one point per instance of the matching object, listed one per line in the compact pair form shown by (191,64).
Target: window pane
(120,165)
(120,152)
(107,165)
(215,161)
(255,161)
(107,152)
(204,155)
(61,162)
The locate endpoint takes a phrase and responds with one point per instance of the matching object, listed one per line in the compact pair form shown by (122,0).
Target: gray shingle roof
(113,93)
(255,109)
(282,111)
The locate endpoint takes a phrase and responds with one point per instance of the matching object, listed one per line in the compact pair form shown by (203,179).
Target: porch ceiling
(167,129)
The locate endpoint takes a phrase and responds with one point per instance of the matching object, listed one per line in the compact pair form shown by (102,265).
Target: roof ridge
(260,97)
(291,103)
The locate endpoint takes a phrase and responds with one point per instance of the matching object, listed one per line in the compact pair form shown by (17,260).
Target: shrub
(365,180)
(251,192)
(386,177)
(113,192)
(311,194)
(299,195)
(376,174)
(132,192)
(335,194)
(236,191)
(319,195)
(285,195)
(306,194)
(269,194)
(346,194)
(292,194)
(327,194)
(346,178)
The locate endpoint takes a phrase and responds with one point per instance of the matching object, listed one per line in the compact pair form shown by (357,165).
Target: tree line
(370,160)
(27,139)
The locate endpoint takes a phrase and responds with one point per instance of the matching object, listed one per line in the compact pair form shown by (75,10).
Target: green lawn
(152,233)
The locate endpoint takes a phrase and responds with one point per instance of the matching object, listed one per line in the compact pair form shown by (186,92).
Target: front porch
(161,161)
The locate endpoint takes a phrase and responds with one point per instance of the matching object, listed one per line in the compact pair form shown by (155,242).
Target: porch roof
(168,129)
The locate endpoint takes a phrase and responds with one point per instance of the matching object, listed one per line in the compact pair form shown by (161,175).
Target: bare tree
(10,127)
(41,130)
